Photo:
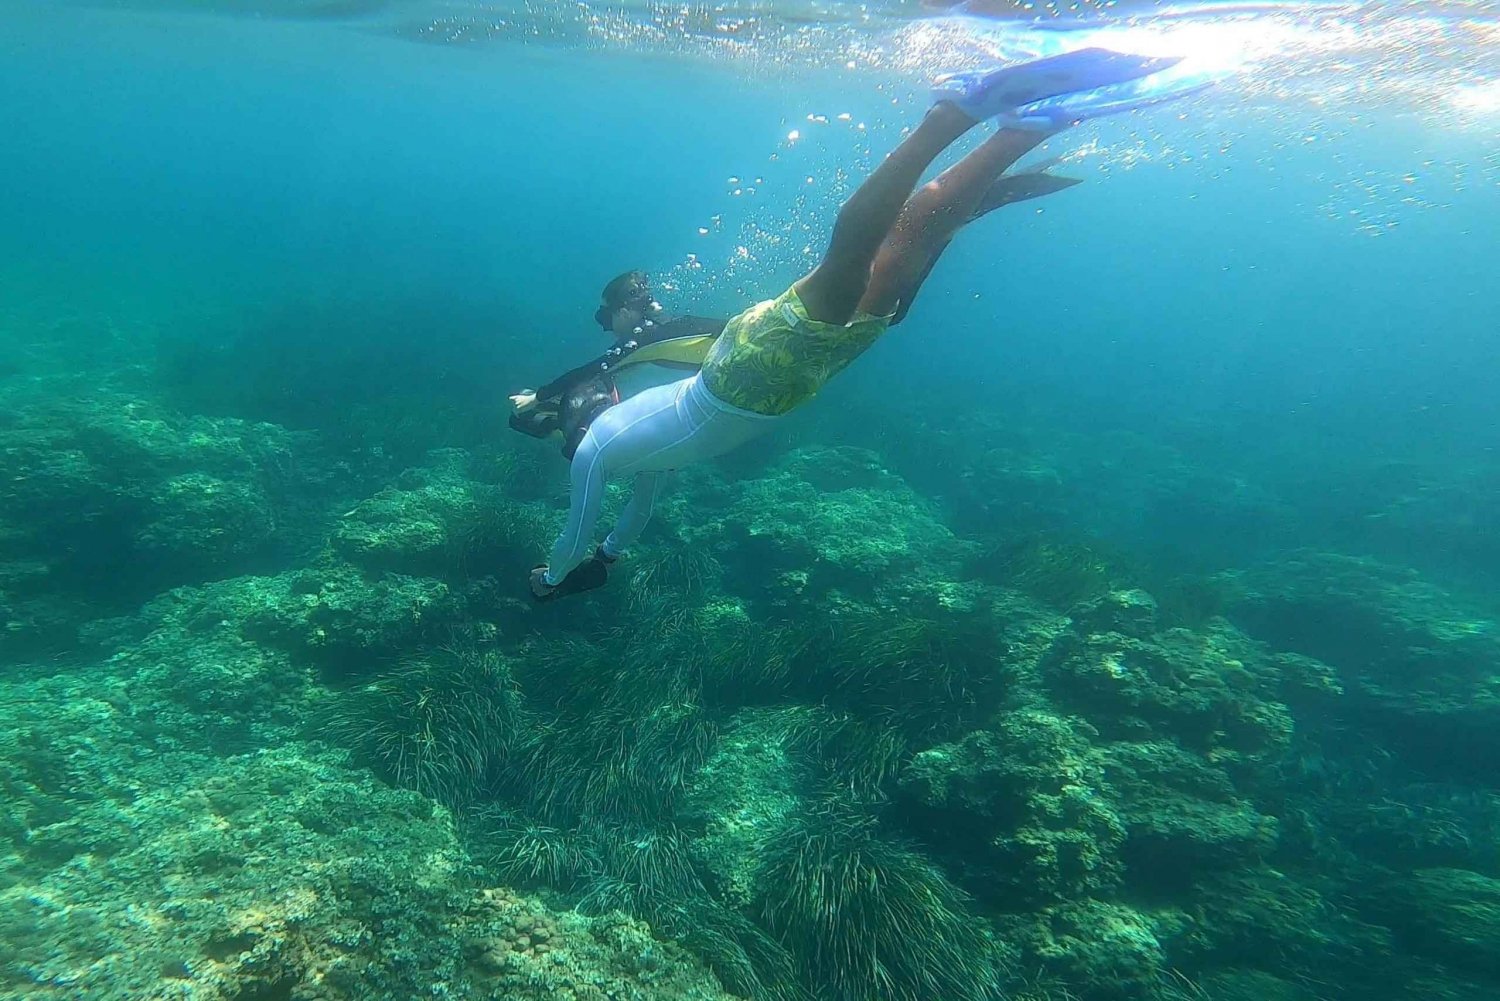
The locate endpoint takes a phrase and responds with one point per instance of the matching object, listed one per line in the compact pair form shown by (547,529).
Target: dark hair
(631,287)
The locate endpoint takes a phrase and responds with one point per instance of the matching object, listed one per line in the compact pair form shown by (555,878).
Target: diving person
(650,350)
(776,355)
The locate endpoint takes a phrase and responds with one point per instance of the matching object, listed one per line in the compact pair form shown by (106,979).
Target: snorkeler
(650,350)
(776,355)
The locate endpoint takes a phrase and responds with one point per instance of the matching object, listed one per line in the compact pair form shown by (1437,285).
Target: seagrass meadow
(1123,629)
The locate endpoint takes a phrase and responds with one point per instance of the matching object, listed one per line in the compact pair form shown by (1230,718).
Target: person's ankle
(946,112)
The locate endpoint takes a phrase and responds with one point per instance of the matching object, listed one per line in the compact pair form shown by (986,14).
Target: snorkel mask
(643,303)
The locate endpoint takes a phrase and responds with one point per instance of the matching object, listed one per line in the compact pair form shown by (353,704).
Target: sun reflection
(1477,98)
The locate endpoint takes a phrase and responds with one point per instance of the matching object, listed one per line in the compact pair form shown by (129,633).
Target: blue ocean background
(275,267)
(1294,290)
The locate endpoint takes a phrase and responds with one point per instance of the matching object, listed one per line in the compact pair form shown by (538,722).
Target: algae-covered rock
(328,614)
(1420,666)
(438,520)
(1129,612)
(206,685)
(65,743)
(120,473)
(114,497)
(198,514)
(1212,690)
(744,791)
(260,874)
(829,519)
(1181,813)
(516,948)
(1111,948)
(284,874)
(1024,802)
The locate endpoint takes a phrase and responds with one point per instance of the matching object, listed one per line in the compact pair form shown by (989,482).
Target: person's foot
(994,92)
(587,576)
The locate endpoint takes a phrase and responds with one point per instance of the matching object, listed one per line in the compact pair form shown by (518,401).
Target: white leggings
(662,428)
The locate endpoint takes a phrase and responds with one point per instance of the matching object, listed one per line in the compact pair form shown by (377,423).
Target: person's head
(626,303)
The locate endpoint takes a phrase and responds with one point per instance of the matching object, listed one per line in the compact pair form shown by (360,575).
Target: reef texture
(278,722)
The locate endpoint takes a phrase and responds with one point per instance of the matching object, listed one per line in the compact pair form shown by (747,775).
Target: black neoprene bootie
(587,576)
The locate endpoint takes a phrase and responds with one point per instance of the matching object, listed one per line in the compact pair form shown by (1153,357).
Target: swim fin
(983,94)
(1021,187)
(1068,109)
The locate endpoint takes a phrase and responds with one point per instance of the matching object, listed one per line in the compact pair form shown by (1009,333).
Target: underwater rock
(437,520)
(848,528)
(200,514)
(329,615)
(115,461)
(1131,764)
(1127,612)
(746,790)
(1183,816)
(516,948)
(1419,667)
(1025,805)
(117,498)
(205,685)
(1211,690)
(284,874)
(247,877)
(52,733)
(1111,948)
(342,618)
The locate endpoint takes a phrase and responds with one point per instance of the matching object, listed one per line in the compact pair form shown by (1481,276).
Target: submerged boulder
(1211,690)
(827,520)
(1025,806)
(1419,667)
(1110,947)
(439,519)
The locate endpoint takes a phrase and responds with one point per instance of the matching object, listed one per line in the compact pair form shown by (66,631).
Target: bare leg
(933,215)
(835,287)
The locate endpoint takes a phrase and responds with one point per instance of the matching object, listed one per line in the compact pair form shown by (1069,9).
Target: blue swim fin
(1069,109)
(982,94)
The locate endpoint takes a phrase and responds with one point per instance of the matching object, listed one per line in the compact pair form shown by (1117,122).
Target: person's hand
(523,401)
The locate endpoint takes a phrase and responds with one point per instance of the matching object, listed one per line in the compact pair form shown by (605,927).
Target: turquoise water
(268,273)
